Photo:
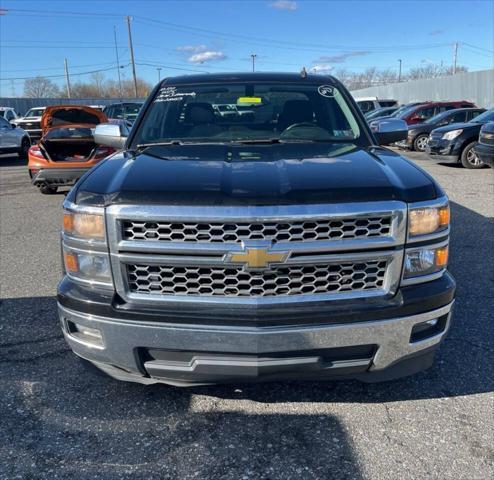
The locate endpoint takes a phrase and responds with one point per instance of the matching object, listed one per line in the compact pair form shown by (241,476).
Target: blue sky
(182,36)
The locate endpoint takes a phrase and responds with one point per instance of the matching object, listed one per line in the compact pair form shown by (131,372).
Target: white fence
(477,87)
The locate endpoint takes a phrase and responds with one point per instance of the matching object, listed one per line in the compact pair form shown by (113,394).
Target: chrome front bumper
(123,339)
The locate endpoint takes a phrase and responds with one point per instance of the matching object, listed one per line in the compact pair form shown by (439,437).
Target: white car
(31,122)
(8,113)
(13,139)
(367,104)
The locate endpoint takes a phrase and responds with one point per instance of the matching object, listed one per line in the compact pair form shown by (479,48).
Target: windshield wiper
(158,144)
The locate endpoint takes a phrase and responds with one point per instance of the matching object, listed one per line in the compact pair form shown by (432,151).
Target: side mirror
(111,135)
(389,130)
(13,125)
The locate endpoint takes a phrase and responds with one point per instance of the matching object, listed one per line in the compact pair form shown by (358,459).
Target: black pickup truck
(277,242)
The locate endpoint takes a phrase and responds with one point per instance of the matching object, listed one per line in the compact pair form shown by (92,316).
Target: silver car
(13,139)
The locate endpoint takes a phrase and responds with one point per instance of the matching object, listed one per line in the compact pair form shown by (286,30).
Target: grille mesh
(233,281)
(325,229)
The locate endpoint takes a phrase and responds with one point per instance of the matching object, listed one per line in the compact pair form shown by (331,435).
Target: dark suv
(422,112)
(418,134)
(457,142)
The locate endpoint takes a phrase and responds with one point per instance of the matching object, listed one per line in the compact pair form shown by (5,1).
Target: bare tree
(40,87)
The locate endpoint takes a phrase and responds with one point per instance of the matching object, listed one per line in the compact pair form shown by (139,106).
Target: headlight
(424,220)
(425,261)
(452,134)
(88,266)
(84,225)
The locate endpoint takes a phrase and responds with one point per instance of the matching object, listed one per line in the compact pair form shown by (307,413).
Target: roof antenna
(303,72)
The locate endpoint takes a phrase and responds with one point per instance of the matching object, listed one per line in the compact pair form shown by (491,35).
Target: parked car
(457,142)
(368,104)
(31,122)
(13,139)
(424,111)
(67,149)
(123,111)
(282,244)
(418,134)
(485,147)
(380,112)
(8,113)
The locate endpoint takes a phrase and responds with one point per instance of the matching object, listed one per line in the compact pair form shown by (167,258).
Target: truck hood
(254,175)
(60,115)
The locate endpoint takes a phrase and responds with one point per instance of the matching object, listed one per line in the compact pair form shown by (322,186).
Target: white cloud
(321,68)
(192,48)
(207,56)
(342,57)
(284,5)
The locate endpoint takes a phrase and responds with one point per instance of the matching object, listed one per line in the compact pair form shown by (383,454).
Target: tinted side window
(366,106)
(457,117)
(474,114)
(426,113)
(9,116)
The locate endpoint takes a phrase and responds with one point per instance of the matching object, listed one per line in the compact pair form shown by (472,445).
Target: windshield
(35,112)
(69,132)
(404,110)
(380,112)
(484,117)
(248,112)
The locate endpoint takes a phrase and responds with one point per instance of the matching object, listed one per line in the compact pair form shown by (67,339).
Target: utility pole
(159,74)
(118,62)
(455,57)
(253,55)
(399,71)
(131,48)
(67,79)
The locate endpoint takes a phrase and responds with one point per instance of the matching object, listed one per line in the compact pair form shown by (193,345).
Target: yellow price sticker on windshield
(249,101)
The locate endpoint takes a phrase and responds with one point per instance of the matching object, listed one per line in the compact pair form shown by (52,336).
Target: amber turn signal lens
(68,222)
(70,260)
(444,216)
(442,256)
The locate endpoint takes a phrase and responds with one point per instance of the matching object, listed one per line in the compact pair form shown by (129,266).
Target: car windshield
(380,112)
(404,110)
(69,132)
(248,112)
(484,117)
(35,112)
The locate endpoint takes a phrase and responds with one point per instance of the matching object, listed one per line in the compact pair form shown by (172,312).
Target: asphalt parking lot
(59,421)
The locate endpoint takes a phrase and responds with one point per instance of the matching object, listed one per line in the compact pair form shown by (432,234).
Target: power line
(63,75)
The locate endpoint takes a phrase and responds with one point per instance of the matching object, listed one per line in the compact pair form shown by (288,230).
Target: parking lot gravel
(58,421)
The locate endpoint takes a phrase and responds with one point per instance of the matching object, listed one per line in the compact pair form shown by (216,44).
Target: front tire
(420,143)
(469,159)
(25,145)
(47,189)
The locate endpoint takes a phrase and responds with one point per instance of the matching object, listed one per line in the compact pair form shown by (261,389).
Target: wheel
(469,158)
(420,142)
(25,144)
(47,189)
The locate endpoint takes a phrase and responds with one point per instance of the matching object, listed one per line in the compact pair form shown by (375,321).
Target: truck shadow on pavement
(55,415)
(57,418)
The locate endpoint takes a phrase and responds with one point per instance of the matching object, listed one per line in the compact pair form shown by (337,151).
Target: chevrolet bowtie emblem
(257,258)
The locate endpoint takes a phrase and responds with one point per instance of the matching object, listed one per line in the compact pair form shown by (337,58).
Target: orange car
(66,149)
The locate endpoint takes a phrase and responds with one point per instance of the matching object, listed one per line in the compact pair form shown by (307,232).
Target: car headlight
(84,225)
(425,220)
(88,266)
(452,134)
(425,261)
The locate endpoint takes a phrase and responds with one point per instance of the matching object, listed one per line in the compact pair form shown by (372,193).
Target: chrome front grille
(237,282)
(212,254)
(274,232)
